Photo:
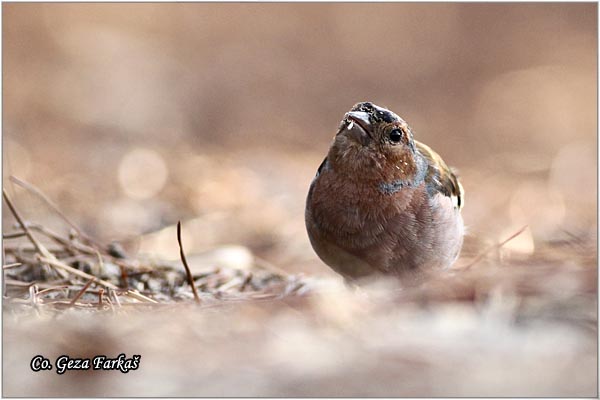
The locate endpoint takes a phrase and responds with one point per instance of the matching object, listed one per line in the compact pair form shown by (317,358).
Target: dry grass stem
(58,264)
(494,247)
(38,246)
(53,206)
(82,291)
(185,264)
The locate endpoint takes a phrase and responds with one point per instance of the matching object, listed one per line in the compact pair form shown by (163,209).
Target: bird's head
(374,140)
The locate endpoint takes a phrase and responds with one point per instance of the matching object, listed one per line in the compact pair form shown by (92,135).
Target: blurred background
(133,116)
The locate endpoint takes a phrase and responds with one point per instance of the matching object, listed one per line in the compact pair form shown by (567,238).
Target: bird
(382,203)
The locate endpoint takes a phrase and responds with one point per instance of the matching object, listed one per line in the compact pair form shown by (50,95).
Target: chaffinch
(382,202)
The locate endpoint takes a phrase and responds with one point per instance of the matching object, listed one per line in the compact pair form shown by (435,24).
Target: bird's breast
(406,230)
(353,212)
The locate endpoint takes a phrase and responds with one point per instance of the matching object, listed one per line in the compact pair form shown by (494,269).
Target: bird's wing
(440,176)
(323,164)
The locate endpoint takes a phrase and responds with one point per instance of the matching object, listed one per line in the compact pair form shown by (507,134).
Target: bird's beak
(360,116)
(357,127)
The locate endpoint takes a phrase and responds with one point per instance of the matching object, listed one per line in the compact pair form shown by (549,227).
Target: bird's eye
(396,135)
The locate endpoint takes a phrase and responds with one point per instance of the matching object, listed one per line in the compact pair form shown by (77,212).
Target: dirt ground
(131,117)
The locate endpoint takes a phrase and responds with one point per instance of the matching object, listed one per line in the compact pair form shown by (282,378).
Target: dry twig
(494,247)
(185,264)
(81,274)
(82,291)
(38,246)
(54,207)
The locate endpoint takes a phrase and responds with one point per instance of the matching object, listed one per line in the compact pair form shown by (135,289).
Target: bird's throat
(407,175)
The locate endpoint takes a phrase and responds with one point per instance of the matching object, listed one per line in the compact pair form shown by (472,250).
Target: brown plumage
(383,203)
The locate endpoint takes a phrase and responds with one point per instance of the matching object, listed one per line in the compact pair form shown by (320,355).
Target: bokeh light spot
(539,206)
(142,173)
